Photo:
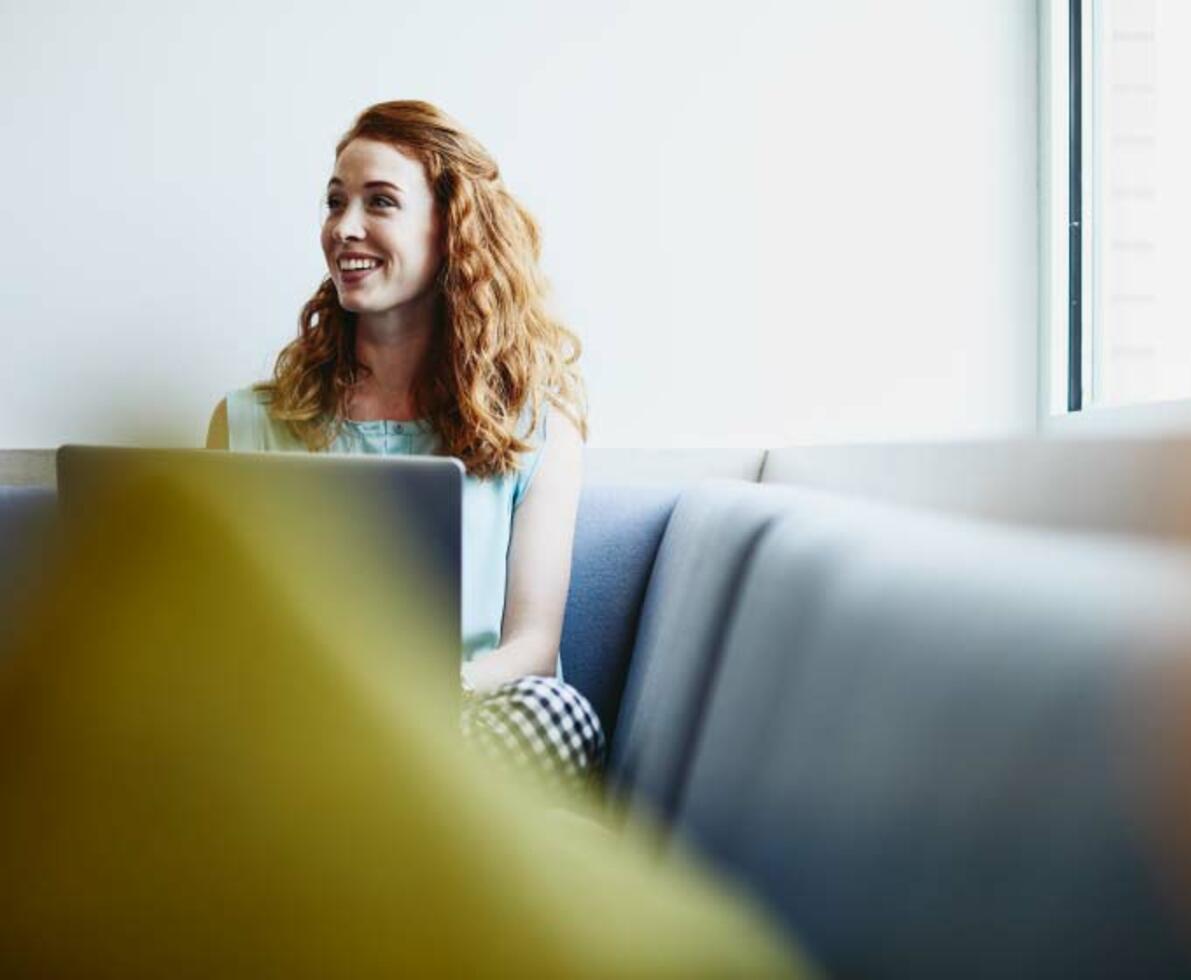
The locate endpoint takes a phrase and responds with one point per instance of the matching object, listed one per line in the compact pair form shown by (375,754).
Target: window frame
(1066,315)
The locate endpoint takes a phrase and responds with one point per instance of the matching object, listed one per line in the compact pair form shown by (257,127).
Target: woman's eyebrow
(336,182)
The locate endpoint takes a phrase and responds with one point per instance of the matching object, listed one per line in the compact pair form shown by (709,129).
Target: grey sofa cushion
(915,751)
(617,532)
(707,546)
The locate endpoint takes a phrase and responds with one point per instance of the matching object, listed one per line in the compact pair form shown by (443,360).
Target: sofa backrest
(26,521)
(922,748)
(617,532)
(1133,486)
(27,468)
(671,466)
(36,467)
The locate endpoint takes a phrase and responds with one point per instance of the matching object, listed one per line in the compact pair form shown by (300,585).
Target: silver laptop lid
(424,494)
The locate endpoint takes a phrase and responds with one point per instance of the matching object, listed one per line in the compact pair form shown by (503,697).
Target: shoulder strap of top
(250,427)
(531,459)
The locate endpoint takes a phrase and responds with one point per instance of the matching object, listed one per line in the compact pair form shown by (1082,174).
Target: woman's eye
(378,200)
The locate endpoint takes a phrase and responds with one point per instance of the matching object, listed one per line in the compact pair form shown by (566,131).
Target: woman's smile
(354,268)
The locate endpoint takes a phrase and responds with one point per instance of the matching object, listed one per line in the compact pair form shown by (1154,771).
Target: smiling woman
(430,336)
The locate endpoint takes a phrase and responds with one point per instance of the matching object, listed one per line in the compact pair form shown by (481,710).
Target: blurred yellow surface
(222,755)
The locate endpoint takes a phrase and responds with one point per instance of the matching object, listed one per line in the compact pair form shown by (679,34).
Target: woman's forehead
(364,160)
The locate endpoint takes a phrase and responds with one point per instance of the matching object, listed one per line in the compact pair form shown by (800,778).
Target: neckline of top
(398,425)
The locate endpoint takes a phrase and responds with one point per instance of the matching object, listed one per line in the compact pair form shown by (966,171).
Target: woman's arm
(539,564)
(217,430)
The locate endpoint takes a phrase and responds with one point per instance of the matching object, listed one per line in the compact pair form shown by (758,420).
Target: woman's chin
(350,302)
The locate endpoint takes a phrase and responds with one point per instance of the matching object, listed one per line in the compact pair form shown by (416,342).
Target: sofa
(929,739)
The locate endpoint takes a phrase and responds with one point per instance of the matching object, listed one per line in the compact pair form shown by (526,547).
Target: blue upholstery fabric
(617,532)
(918,750)
(699,569)
(27,515)
(22,510)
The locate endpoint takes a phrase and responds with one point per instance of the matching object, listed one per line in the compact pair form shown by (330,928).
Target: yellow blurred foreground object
(221,755)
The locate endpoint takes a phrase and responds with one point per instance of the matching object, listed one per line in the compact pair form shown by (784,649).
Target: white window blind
(1139,171)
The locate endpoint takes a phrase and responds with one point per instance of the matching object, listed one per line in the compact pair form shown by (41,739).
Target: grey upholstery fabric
(918,748)
(698,571)
(617,532)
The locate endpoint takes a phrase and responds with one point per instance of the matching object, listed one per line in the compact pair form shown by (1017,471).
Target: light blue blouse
(488,504)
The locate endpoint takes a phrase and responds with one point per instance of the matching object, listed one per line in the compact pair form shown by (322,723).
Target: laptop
(422,494)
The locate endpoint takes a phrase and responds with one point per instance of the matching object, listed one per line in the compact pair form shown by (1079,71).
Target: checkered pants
(539,724)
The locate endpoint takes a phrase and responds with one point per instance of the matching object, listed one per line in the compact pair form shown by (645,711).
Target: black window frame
(1075,310)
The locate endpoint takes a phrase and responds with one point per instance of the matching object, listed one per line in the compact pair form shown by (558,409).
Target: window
(1117,171)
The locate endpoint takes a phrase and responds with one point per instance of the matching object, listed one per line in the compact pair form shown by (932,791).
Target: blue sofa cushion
(27,517)
(617,531)
(919,748)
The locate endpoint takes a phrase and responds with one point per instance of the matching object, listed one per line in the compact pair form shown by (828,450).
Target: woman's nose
(348,225)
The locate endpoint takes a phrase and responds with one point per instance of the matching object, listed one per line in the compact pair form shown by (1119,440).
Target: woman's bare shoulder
(217,428)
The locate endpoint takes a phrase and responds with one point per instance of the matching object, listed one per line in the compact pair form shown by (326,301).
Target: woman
(430,335)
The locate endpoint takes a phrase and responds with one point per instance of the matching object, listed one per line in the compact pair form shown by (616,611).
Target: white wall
(770,222)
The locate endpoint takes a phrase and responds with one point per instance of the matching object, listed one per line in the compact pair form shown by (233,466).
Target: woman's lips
(353,276)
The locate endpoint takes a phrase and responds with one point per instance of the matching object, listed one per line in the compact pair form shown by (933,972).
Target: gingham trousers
(541,724)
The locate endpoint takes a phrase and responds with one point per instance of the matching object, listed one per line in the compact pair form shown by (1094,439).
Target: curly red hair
(497,349)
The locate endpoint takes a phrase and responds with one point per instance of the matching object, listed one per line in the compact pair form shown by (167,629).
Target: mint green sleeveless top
(488,504)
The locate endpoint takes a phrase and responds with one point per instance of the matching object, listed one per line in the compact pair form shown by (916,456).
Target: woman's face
(381,235)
